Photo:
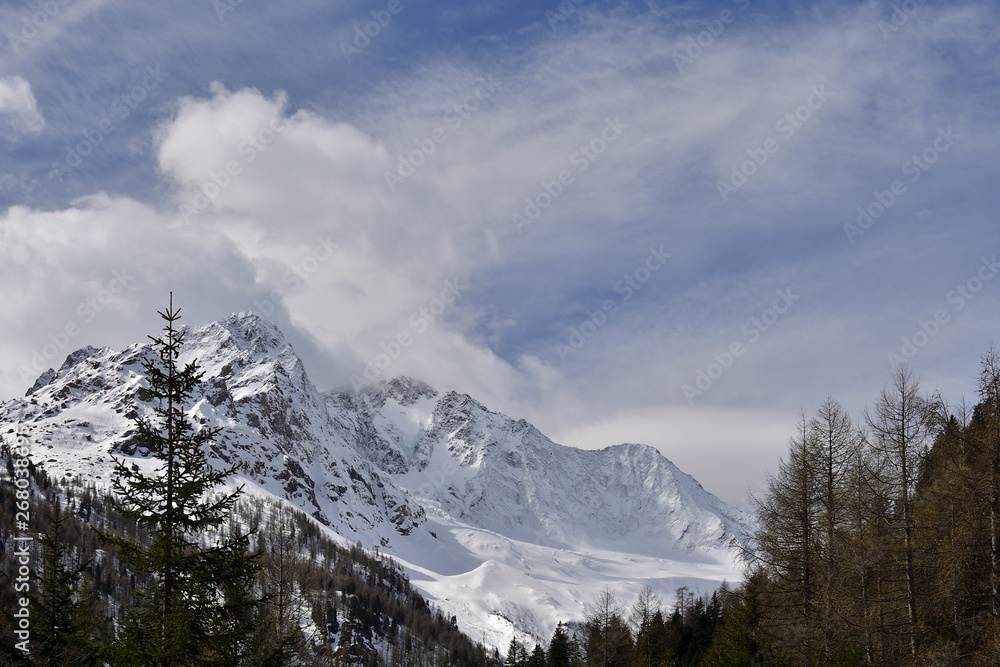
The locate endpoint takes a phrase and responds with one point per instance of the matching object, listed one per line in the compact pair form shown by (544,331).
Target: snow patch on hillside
(495,523)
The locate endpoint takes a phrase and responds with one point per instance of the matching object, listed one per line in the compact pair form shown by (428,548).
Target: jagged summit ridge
(407,391)
(453,489)
(503,474)
(252,332)
(506,476)
(275,424)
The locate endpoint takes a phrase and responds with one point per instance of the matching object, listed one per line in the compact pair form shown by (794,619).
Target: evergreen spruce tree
(65,634)
(242,634)
(537,657)
(516,654)
(182,616)
(560,648)
(739,640)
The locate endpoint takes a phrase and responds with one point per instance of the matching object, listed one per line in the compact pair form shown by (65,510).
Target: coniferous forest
(320,603)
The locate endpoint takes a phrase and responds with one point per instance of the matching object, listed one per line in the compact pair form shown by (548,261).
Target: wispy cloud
(19,114)
(344,197)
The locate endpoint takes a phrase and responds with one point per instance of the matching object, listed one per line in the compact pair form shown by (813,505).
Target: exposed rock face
(276,425)
(473,501)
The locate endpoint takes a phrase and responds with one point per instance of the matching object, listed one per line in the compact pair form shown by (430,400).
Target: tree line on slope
(339,605)
(877,543)
(171,571)
(643,635)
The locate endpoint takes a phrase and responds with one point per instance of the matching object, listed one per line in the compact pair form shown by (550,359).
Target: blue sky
(571,211)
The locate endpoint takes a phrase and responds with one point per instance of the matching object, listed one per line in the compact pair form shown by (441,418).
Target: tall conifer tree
(182,616)
(65,633)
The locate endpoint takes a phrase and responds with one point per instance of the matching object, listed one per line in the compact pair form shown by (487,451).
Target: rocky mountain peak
(438,480)
(407,391)
(72,359)
(244,332)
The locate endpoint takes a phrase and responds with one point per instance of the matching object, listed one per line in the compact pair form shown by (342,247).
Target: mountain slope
(504,475)
(274,423)
(496,523)
(527,532)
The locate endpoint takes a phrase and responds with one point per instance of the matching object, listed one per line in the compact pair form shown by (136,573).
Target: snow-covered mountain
(495,523)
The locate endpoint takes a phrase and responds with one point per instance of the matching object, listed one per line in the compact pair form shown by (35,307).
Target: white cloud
(19,114)
(94,274)
(304,226)
(729,449)
(240,154)
(523,123)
